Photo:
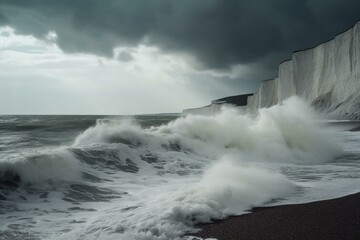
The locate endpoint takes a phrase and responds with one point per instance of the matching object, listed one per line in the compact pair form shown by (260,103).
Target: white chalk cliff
(326,76)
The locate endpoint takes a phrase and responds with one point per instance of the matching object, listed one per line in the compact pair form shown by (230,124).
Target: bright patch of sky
(36,77)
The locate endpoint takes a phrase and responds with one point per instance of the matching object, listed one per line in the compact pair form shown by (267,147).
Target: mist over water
(155,177)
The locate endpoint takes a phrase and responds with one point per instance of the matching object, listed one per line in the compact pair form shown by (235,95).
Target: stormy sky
(142,56)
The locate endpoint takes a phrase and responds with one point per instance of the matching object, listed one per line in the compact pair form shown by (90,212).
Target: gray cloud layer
(219,33)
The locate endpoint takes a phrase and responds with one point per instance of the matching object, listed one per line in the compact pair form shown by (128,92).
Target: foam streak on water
(155,177)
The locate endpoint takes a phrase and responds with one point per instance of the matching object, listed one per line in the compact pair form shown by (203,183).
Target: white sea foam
(104,132)
(238,173)
(285,133)
(169,211)
(200,168)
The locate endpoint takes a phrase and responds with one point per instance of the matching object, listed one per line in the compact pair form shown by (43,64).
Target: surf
(159,181)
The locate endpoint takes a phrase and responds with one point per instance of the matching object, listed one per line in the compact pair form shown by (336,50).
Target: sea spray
(121,180)
(284,133)
(235,174)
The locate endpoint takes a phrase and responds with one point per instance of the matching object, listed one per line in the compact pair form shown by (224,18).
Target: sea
(155,177)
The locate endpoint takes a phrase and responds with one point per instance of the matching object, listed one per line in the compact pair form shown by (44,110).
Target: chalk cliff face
(327,77)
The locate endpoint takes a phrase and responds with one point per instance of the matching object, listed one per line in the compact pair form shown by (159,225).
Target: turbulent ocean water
(156,176)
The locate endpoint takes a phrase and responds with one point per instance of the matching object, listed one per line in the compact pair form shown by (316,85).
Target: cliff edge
(326,76)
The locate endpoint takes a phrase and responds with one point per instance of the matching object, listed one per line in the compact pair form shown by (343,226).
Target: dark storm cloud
(219,33)
(125,56)
(3,19)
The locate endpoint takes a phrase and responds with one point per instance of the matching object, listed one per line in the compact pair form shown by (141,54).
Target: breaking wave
(40,167)
(229,159)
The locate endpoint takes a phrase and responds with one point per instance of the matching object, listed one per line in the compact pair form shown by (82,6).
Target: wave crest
(48,166)
(285,133)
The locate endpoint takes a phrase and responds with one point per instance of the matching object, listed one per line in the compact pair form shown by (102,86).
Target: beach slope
(323,220)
